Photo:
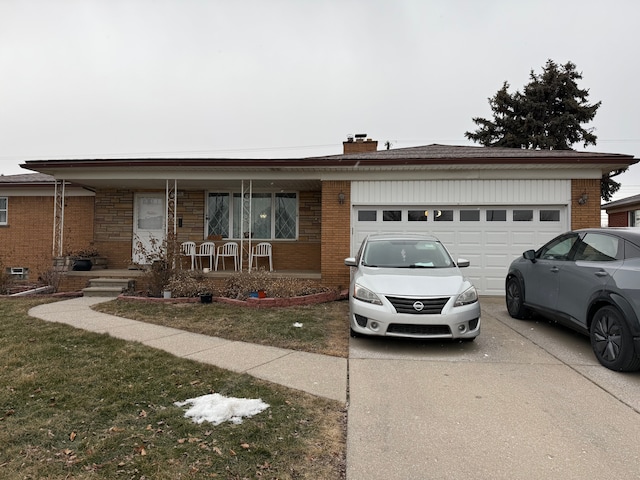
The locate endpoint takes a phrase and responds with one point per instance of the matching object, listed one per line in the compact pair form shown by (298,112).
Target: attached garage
(489,222)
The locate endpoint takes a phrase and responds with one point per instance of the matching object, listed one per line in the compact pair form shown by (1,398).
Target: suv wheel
(515,300)
(611,340)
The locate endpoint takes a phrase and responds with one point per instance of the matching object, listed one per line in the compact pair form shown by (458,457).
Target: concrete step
(101,291)
(107,287)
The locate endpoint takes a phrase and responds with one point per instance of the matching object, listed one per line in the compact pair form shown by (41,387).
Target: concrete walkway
(319,375)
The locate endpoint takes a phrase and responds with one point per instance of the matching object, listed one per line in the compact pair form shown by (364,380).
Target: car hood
(413,281)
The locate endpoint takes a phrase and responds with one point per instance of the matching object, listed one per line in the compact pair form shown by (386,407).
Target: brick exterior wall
(619,219)
(27,240)
(587,215)
(336,233)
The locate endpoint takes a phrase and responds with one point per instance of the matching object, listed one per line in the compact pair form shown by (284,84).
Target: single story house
(624,212)
(485,204)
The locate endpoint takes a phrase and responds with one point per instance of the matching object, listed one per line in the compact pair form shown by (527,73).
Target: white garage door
(489,237)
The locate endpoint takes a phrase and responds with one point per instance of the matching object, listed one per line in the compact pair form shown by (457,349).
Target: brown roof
(425,155)
(27,178)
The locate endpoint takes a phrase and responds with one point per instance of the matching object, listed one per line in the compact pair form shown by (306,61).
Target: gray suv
(588,280)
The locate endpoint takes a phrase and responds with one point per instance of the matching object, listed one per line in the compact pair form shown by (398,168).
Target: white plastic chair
(188,249)
(229,249)
(206,250)
(262,249)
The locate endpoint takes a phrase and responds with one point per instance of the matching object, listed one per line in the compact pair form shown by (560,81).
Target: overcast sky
(291,78)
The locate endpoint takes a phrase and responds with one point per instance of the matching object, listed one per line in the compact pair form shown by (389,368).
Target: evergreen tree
(548,114)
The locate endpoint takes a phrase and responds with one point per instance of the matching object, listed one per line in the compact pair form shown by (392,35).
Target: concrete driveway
(526,400)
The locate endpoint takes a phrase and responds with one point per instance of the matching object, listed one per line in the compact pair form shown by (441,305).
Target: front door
(148,227)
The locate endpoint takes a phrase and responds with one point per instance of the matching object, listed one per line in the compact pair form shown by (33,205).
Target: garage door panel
(496,238)
(490,246)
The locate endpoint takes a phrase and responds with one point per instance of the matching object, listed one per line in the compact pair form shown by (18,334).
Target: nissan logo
(418,306)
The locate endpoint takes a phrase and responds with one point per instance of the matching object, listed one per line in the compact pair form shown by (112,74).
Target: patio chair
(206,250)
(188,249)
(262,249)
(229,249)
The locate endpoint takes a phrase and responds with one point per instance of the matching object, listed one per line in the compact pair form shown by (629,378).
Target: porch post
(245,219)
(58,218)
(171,199)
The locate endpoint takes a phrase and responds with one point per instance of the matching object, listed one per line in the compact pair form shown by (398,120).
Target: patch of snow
(216,409)
(297,325)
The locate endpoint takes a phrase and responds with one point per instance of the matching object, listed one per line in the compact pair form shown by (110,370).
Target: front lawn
(81,405)
(319,328)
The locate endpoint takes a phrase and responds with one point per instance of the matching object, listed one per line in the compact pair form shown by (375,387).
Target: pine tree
(548,114)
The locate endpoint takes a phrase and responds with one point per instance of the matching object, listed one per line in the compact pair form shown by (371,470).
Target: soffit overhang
(433,161)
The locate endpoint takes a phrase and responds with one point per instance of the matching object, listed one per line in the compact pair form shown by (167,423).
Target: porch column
(336,233)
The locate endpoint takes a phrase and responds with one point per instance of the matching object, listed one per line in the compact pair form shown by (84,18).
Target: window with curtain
(272,215)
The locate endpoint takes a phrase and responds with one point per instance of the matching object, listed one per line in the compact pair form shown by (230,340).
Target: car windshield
(406,254)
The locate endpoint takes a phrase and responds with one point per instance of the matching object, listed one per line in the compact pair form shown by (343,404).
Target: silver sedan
(409,286)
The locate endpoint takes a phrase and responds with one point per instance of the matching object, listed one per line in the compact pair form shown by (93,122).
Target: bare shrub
(187,283)
(240,285)
(6,280)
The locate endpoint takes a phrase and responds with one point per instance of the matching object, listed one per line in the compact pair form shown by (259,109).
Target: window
(469,215)
(391,215)
(496,215)
(549,215)
(273,215)
(367,216)
(417,215)
(523,215)
(596,247)
(3,210)
(559,249)
(443,215)
(631,250)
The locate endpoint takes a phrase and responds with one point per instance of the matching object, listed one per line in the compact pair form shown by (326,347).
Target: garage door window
(443,215)
(496,215)
(549,215)
(417,215)
(469,215)
(391,215)
(523,215)
(367,216)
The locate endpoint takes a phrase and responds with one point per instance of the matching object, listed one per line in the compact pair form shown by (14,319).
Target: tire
(612,341)
(354,334)
(515,299)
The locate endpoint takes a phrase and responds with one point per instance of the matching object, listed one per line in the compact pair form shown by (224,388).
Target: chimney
(359,144)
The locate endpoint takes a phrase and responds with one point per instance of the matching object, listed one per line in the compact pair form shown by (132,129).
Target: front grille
(407,329)
(431,306)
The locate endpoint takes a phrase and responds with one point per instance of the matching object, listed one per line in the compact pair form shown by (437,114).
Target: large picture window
(272,215)
(3,210)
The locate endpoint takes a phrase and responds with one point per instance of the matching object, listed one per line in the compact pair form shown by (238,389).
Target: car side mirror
(350,262)
(530,255)
(463,262)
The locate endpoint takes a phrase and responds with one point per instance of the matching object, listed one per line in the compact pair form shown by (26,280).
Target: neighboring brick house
(624,212)
(27,219)
(485,204)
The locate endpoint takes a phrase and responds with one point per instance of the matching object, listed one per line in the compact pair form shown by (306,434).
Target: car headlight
(470,295)
(365,295)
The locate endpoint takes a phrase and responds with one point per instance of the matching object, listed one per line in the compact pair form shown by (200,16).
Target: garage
(506,218)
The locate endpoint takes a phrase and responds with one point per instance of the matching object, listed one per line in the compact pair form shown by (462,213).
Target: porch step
(107,287)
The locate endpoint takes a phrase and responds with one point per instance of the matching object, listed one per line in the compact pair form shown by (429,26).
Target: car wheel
(612,341)
(515,300)
(354,334)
